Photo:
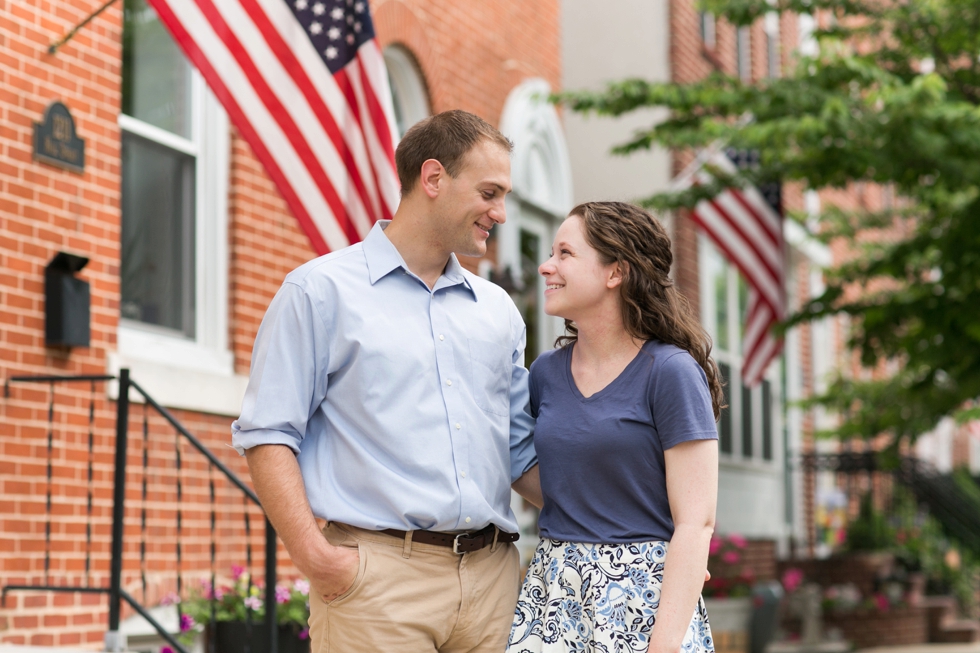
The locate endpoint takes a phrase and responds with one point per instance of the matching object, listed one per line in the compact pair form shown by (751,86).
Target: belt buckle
(456,544)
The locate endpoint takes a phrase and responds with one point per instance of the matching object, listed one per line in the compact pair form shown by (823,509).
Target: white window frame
(733,358)
(408,85)
(192,373)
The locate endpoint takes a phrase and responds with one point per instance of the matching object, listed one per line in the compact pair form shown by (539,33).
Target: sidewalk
(926,648)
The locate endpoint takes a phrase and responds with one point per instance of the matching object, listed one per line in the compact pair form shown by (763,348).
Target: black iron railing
(957,508)
(115,591)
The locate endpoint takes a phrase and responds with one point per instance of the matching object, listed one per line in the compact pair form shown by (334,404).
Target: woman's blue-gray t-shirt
(601,458)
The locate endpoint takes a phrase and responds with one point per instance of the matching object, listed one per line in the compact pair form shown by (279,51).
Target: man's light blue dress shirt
(405,405)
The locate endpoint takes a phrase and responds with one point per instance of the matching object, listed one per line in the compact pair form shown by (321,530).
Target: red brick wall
(471,55)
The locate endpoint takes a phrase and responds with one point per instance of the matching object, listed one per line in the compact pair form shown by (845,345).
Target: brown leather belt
(459,542)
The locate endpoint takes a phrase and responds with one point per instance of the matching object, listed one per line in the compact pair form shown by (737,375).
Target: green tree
(892,99)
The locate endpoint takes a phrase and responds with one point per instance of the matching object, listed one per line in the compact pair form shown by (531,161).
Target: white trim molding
(541,168)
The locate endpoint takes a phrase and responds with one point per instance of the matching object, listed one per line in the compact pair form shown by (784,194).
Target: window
(808,44)
(408,92)
(174,272)
(772,45)
(743,53)
(745,428)
(159,157)
(707,21)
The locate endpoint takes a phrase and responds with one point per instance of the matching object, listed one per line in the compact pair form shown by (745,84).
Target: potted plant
(727,593)
(234,614)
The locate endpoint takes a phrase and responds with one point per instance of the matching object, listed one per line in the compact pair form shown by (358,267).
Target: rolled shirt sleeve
(288,377)
(522,454)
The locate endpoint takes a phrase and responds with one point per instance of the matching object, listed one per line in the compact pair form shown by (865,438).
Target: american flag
(747,228)
(304,81)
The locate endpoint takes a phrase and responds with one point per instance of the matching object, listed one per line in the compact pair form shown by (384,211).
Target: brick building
(187,240)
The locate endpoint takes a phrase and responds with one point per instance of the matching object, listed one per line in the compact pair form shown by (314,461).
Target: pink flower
(304,634)
(237,571)
(221,591)
(282,594)
(739,541)
(186,622)
(302,586)
(170,598)
(881,602)
(715,546)
(166,649)
(253,603)
(730,557)
(792,578)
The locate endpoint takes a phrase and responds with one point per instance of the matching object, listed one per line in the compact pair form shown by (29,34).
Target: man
(387,396)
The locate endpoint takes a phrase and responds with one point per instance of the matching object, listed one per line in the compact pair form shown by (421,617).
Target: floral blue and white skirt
(596,598)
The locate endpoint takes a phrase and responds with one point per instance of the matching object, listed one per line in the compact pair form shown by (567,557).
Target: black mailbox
(66,302)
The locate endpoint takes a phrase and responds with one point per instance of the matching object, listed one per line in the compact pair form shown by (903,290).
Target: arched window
(408,91)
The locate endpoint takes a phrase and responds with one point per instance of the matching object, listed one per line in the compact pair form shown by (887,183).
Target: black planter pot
(236,637)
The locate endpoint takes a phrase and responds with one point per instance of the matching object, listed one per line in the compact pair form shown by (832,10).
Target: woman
(627,447)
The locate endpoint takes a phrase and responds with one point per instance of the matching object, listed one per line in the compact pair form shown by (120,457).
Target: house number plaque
(55,141)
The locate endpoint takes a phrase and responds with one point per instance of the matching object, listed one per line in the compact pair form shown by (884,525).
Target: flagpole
(67,37)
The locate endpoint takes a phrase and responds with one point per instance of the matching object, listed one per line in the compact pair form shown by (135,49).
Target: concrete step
(20,648)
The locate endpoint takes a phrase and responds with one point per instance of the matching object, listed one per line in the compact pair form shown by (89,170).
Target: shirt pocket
(490,374)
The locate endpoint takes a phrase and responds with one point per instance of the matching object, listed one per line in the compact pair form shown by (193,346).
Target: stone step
(960,631)
(939,611)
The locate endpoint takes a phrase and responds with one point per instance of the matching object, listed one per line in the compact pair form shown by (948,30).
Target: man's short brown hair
(445,137)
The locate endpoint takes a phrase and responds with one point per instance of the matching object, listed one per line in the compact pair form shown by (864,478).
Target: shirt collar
(383,258)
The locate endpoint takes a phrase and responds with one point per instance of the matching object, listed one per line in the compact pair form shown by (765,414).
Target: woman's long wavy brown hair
(652,307)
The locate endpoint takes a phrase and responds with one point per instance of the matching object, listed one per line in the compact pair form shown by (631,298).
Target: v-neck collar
(604,390)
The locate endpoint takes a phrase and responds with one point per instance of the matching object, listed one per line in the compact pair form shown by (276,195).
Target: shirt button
(458,426)
(449,382)
(468,520)
(463,474)
(442,337)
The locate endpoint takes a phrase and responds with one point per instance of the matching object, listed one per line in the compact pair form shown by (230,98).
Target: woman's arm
(529,487)
(692,491)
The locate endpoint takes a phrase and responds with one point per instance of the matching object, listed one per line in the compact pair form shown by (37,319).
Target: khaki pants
(417,598)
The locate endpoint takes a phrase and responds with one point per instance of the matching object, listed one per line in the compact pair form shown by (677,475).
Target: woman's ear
(617,274)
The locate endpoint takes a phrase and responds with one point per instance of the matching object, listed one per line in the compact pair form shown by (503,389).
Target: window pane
(725,423)
(766,420)
(708,29)
(743,307)
(398,104)
(531,293)
(746,421)
(157,235)
(719,280)
(156,78)
(743,53)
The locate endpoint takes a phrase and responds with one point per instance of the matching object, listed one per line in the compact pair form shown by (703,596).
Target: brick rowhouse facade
(470,56)
(693,58)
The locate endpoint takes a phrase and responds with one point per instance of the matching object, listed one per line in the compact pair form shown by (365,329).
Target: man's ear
(617,274)
(431,180)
